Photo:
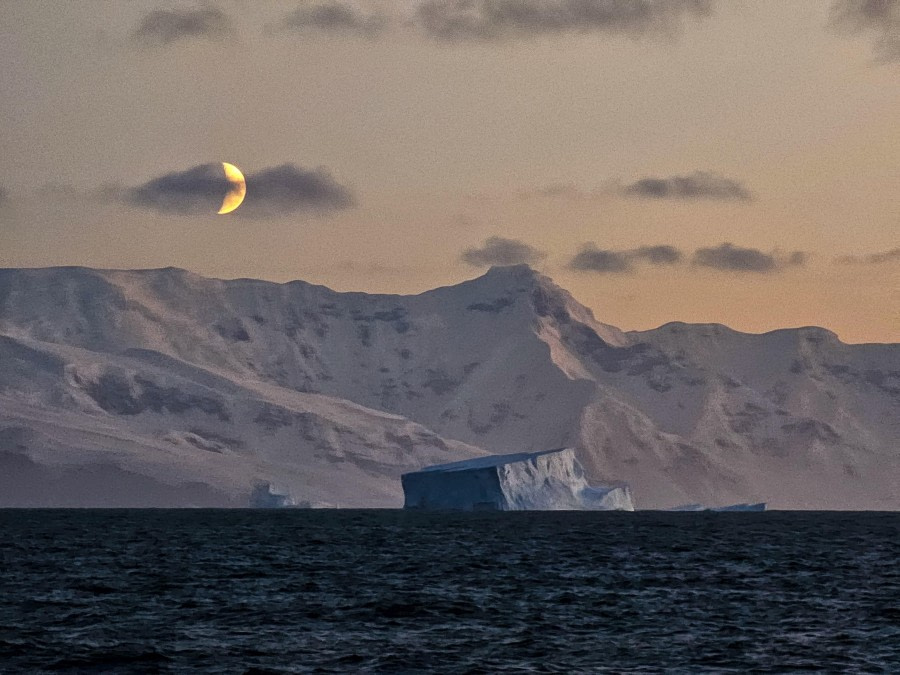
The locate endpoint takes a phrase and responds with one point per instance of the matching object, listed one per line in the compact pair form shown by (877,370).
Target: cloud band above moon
(481,21)
(334,17)
(487,20)
(271,192)
(166,26)
(879,18)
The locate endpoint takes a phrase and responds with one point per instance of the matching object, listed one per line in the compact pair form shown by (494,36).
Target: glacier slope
(75,424)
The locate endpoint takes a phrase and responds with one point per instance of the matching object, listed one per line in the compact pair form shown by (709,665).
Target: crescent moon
(236,190)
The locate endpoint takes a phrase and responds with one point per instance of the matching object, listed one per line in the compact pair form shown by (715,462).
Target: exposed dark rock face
(117,395)
(493,307)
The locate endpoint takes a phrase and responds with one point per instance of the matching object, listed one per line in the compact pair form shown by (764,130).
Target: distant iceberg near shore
(265,496)
(551,480)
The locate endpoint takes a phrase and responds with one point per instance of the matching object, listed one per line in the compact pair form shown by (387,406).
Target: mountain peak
(550,303)
(511,277)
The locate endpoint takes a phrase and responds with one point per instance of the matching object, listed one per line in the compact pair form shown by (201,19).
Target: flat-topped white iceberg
(552,480)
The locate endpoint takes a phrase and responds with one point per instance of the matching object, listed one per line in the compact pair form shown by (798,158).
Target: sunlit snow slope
(192,389)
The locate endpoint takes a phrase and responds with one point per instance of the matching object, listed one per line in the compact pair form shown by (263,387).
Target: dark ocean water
(392,591)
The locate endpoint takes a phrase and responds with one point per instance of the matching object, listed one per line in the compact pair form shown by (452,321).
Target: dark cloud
(724,257)
(197,190)
(735,259)
(730,258)
(593,259)
(502,251)
(334,17)
(165,26)
(485,20)
(658,255)
(698,185)
(287,188)
(271,192)
(892,255)
(879,18)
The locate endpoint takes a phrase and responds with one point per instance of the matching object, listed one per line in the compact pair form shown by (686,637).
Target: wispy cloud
(563,191)
(271,192)
(163,27)
(893,255)
(335,17)
(878,18)
(501,251)
(491,20)
(697,185)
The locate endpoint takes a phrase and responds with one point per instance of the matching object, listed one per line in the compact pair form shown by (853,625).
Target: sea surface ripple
(391,591)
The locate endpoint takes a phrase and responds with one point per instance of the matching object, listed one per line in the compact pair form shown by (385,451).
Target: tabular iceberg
(552,480)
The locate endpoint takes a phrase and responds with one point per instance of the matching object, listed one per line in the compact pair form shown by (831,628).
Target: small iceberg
(264,497)
(758,506)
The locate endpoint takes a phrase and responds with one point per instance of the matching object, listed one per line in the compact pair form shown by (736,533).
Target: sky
(728,161)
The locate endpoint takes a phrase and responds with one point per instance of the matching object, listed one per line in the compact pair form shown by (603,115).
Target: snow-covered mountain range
(161,387)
